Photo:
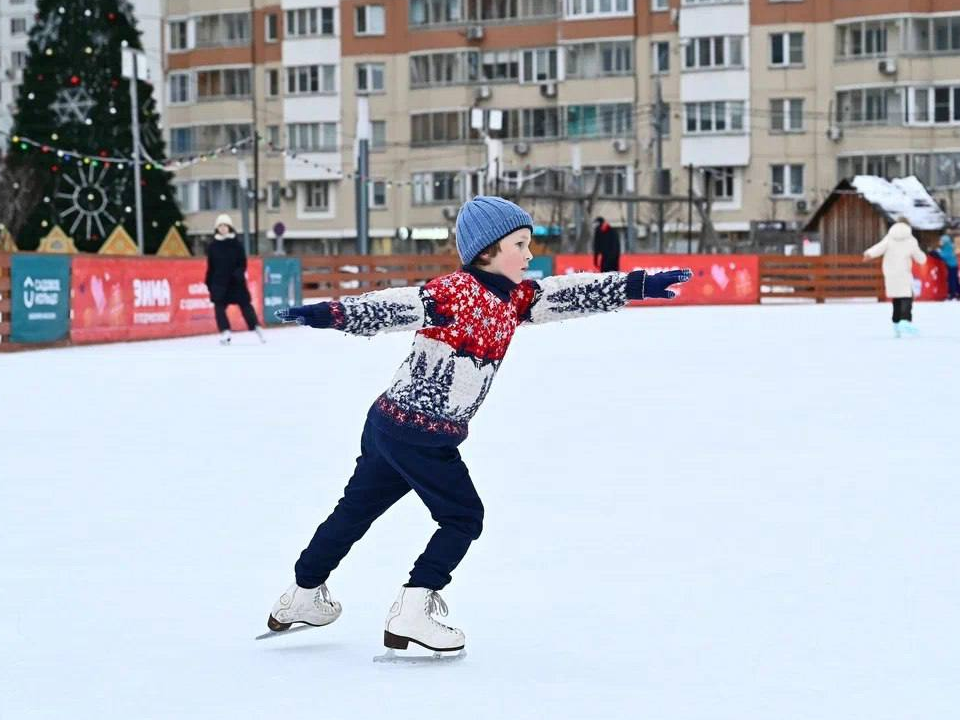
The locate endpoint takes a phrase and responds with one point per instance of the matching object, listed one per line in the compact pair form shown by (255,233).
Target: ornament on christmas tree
(72,104)
(47,33)
(90,197)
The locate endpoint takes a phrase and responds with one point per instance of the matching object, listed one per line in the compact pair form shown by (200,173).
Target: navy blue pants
(388,469)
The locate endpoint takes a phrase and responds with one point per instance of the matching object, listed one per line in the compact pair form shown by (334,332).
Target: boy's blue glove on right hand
(317,316)
(655,286)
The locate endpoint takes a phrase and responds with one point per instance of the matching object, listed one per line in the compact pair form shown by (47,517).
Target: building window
(722,182)
(660,57)
(786,49)
(786,115)
(872,106)
(273,137)
(271,27)
(223,84)
(317,196)
(274,196)
(378,194)
(500,65)
(370,77)
(370,20)
(577,9)
(18,26)
(227,29)
(18,59)
(273,82)
(863,39)
(206,138)
(437,128)
(590,60)
(178,35)
(938,105)
(786,180)
(312,80)
(610,179)
(659,5)
(378,134)
(219,194)
(447,68)
(540,123)
(181,141)
(310,22)
(436,187)
(312,137)
(713,52)
(179,84)
(599,120)
(885,166)
(539,65)
(725,116)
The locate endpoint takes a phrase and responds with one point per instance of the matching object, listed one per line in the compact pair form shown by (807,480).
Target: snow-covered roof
(905,197)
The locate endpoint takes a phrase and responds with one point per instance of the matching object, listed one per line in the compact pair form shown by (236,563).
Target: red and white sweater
(464,323)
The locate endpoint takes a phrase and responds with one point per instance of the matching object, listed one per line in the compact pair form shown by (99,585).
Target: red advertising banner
(717,279)
(115,299)
(930,280)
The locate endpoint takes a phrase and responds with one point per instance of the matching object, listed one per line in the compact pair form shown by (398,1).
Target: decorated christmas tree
(72,129)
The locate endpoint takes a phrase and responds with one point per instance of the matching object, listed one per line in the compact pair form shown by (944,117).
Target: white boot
(225,337)
(259,332)
(302,605)
(411,620)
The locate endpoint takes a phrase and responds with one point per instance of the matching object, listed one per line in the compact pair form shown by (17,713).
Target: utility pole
(361,176)
(690,209)
(256,135)
(658,180)
(134,74)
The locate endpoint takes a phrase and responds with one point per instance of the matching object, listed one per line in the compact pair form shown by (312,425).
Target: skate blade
(277,633)
(391,657)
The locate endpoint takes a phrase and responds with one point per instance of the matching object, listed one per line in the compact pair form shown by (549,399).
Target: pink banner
(717,279)
(930,280)
(116,299)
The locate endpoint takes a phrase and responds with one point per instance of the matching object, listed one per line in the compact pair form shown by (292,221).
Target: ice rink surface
(745,513)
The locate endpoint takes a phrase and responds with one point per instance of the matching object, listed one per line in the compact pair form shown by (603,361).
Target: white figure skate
(410,620)
(225,337)
(313,607)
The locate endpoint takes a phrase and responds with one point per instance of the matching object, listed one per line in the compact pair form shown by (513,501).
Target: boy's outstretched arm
(562,297)
(391,310)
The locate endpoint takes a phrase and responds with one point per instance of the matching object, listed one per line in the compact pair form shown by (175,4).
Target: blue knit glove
(317,316)
(655,286)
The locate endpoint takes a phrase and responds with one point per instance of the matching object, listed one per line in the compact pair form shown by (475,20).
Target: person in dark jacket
(226,279)
(606,246)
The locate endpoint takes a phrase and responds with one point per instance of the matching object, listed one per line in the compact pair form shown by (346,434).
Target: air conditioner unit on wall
(521,148)
(290,192)
(548,89)
(835,133)
(475,32)
(484,92)
(802,206)
(621,145)
(887,66)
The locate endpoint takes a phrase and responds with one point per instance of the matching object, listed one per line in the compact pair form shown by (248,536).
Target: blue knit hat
(485,220)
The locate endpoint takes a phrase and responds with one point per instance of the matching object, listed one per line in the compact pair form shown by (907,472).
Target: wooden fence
(334,276)
(819,278)
(6,302)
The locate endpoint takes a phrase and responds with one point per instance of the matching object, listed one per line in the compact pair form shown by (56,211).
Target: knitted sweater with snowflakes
(464,322)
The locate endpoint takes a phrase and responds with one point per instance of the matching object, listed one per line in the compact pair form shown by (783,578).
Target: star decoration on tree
(73,104)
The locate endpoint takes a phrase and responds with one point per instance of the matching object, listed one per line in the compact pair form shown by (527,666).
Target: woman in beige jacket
(899,249)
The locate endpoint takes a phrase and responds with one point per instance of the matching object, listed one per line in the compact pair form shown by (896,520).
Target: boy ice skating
(464,322)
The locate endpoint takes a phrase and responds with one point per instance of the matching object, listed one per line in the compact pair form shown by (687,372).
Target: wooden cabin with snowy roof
(860,210)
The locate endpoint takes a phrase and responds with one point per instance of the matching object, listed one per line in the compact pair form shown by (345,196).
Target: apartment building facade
(766,105)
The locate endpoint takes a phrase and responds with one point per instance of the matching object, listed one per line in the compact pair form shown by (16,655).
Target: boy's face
(514,256)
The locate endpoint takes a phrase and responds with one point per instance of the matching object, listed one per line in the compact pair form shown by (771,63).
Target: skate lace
(436,605)
(323,593)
